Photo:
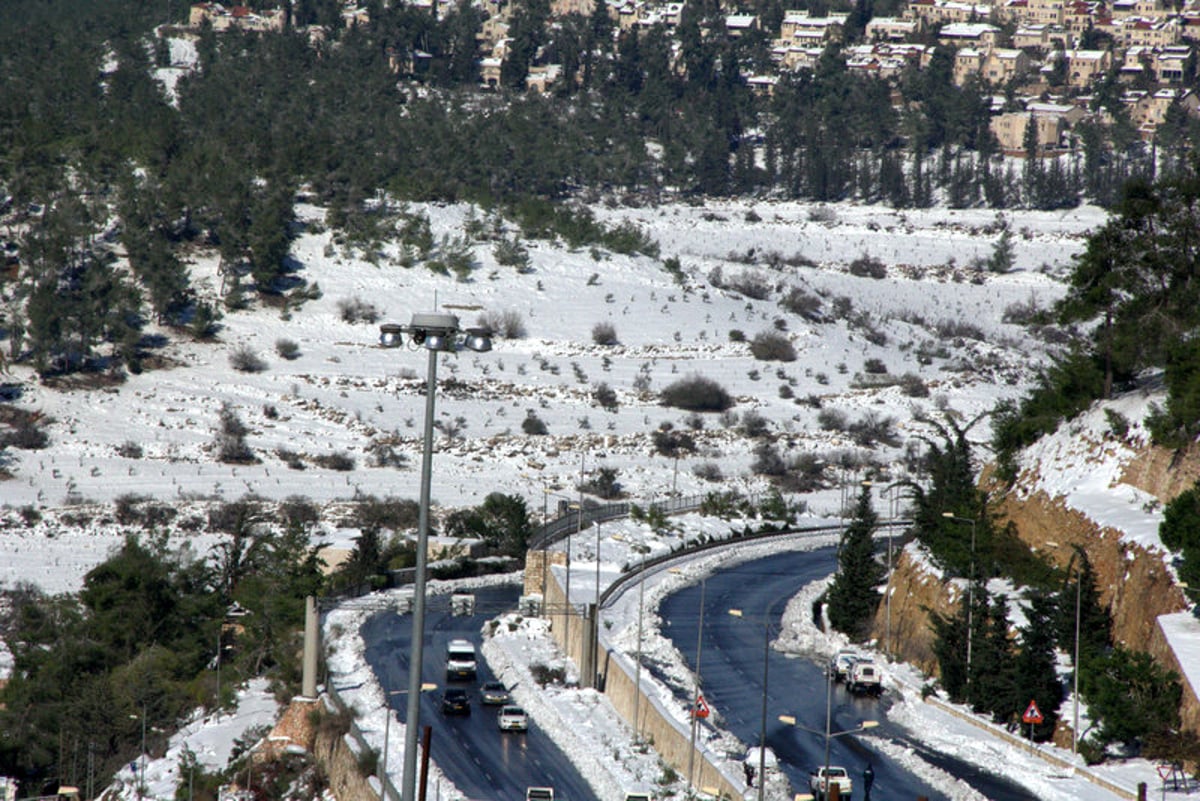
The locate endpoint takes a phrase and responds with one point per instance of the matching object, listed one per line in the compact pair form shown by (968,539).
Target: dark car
(456,702)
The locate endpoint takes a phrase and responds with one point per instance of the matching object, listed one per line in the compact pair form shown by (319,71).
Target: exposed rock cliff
(1133,576)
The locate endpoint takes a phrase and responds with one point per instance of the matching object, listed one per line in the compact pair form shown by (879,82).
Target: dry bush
(696,394)
(772,346)
(507,324)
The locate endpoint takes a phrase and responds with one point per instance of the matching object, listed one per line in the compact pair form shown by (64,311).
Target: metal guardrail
(636,571)
(576,519)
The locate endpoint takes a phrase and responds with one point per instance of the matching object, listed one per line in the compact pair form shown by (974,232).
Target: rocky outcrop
(916,592)
(1133,580)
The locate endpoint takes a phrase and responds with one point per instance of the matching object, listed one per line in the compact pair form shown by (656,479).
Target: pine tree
(853,597)
(1095,622)
(950,650)
(992,674)
(1034,675)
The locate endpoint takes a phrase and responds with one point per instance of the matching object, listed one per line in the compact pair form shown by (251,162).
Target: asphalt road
(485,763)
(479,759)
(732,680)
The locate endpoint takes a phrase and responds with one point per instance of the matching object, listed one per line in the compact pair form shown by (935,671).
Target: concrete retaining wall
(617,679)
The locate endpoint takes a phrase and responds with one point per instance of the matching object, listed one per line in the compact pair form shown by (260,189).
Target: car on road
(513,718)
(460,660)
(455,701)
(823,779)
(494,693)
(841,663)
(539,794)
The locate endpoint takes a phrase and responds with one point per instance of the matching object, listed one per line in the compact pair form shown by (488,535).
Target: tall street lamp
(436,332)
(1075,566)
(970,585)
(762,732)
(696,695)
(790,720)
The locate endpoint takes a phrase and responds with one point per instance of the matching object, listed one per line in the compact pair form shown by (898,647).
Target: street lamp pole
(762,732)
(1075,680)
(595,660)
(436,332)
(696,699)
(790,720)
(970,585)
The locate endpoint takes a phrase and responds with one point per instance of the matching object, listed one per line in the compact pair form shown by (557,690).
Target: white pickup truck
(822,779)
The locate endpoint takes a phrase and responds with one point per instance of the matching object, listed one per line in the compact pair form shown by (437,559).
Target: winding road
(485,763)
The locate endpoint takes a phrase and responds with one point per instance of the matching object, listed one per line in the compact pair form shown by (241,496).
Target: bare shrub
(752,284)
(767,461)
(873,430)
(913,386)
(605,396)
(604,334)
(507,324)
(292,459)
(1025,312)
(959,329)
(696,394)
(874,366)
(808,306)
(772,346)
(868,267)
(356,310)
(822,214)
(671,443)
(708,471)
(754,425)
(832,420)
(392,513)
(245,360)
(129,450)
(603,484)
(533,425)
(287,349)
(230,441)
(339,461)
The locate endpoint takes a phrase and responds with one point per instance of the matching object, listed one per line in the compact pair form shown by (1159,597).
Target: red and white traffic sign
(701,707)
(1032,713)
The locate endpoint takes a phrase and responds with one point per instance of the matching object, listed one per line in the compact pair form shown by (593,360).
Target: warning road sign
(701,707)
(1032,713)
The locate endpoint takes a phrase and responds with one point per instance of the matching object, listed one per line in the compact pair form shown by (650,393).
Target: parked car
(513,718)
(494,693)
(821,779)
(455,701)
(864,678)
(841,663)
(539,794)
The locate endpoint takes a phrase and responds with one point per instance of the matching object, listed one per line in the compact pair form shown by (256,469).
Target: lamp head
(478,340)
(391,335)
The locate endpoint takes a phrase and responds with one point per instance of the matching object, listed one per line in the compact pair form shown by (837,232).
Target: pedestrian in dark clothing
(748,769)
(868,780)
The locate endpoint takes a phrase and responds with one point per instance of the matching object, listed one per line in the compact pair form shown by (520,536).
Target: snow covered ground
(932,315)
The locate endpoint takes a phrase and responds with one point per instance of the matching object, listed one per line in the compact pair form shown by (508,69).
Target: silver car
(494,693)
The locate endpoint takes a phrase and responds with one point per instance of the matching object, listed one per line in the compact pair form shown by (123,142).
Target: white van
(460,660)
(539,794)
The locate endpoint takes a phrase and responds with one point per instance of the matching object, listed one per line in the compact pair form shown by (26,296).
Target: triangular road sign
(1032,713)
(701,707)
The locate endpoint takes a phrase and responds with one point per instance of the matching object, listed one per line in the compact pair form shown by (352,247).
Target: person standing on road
(868,780)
